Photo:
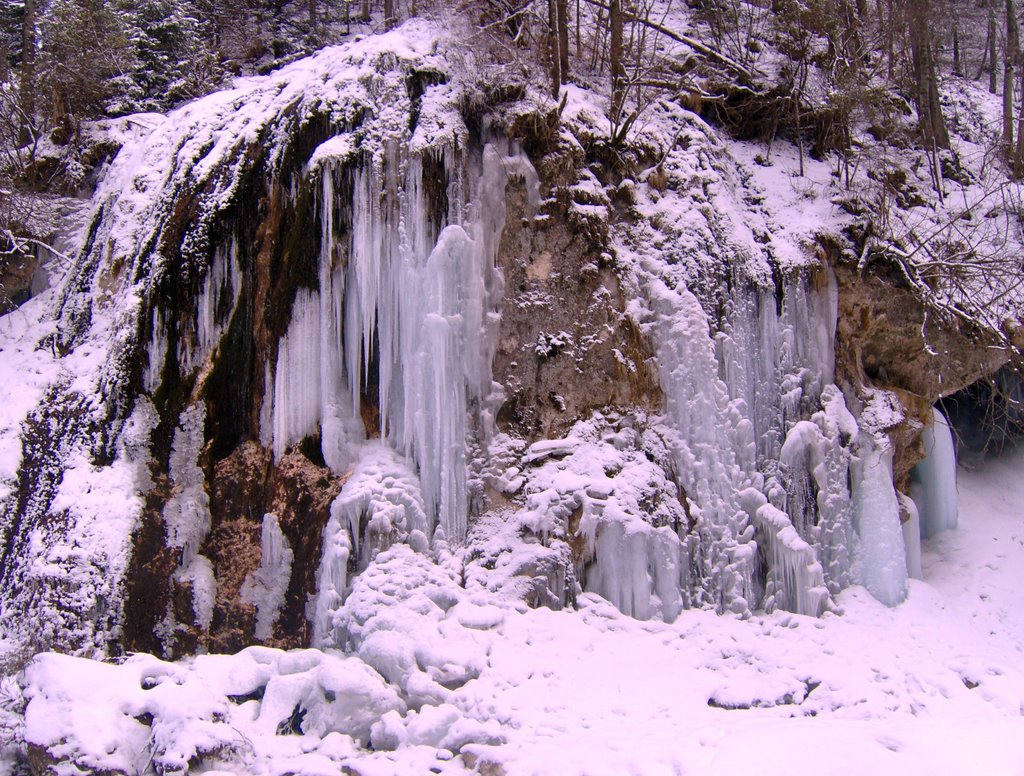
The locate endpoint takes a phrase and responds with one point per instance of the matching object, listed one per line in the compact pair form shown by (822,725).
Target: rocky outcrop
(889,338)
(566,345)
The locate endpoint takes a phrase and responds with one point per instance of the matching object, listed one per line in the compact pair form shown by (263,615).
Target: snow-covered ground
(935,685)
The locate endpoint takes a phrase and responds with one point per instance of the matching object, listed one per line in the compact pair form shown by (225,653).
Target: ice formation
(734,403)
(883,556)
(934,479)
(187,512)
(411,308)
(378,506)
(911,536)
(266,587)
(187,518)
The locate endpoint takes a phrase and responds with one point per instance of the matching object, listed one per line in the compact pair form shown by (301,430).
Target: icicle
(266,587)
(198,575)
(296,387)
(911,536)
(332,578)
(883,557)
(340,429)
(156,353)
(796,580)
(187,517)
(224,276)
(187,512)
(710,440)
(307,392)
(933,480)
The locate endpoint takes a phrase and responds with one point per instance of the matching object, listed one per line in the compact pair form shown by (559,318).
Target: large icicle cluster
(417,306)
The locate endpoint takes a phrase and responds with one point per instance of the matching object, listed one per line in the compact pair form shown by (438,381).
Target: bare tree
(929,109)
(1009,63)
(615,56)
(28,70)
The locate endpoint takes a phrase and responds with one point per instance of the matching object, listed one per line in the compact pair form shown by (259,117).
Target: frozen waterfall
(406,305)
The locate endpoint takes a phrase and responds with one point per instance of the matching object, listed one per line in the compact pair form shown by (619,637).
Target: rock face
(888,338)
(566,345)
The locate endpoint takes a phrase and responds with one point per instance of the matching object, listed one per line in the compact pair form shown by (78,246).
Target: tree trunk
(558,43)
(579,38)
(554,57)
(992,73)
(929,109)
(956,49)
(1009,63)
(1017,168)
(27,95)
(364,14)
(562,6)
(615,54)
(390,20)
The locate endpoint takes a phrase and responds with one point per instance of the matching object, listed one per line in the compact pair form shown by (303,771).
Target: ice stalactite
(795,580)
(933,485)
(712,439)
(883,564)
(911,536)
(637,567)
(187,518)
(738,395)
(296,397)
(816,457)
(156,352)
(431,308)
(266,587)
(187,511)
(223,282)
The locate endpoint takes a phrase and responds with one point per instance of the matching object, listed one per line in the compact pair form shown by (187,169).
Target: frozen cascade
(777,360)
(266,587)
(224,276)
(424,310)
(637,566)
(883,563)
(795,578)
(296,389)
(816,457)
(215,307)
(912,536)
(731,396)
(187,516)
(187,512)
(933,480)
(714,442)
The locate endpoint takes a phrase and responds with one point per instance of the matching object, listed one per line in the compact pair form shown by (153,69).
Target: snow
(25,372)
(933,685)
(736,498)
